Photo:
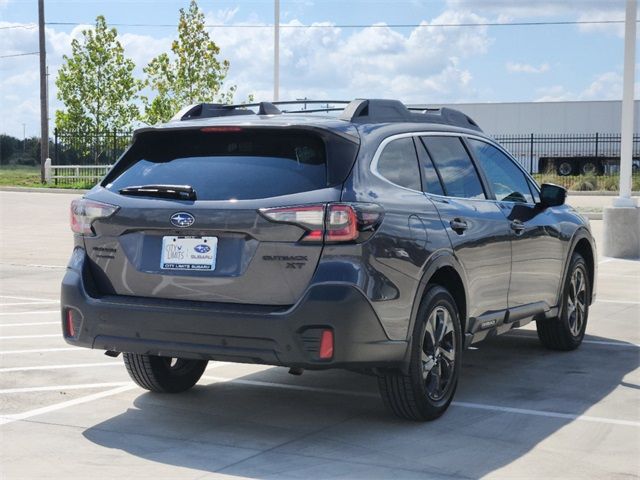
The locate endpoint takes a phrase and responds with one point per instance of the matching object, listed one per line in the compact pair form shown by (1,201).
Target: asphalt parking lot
(520,411)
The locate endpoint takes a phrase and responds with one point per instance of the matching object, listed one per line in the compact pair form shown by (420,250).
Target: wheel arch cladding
(447,277)
(583,247)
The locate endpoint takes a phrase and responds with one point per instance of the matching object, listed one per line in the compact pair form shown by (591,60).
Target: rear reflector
(70,327)
(326,345)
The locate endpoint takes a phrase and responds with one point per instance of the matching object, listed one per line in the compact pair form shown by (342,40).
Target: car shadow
(271,425)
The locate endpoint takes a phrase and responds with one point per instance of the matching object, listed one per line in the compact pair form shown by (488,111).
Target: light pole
(622,221)
(44,114)
(276,51)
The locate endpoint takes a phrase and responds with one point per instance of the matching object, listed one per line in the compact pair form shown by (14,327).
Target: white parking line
(17,337)
(478,406)
(60,367)
(13,297)
(27,324)
(5,419)
(35,265)
(544,413)
(55,388)
(20,304)
(32,312)
(43,350)
(626,302)
(613,344)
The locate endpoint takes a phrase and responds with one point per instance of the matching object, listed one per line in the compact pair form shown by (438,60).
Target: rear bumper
(236,333)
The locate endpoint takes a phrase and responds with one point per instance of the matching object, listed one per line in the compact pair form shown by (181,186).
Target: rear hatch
(206,239)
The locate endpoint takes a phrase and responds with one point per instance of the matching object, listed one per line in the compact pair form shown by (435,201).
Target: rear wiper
(181,192)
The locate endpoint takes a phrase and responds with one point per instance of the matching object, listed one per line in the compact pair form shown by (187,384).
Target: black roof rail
(357,111)
(388,111)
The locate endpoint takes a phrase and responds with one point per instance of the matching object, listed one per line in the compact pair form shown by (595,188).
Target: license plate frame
(189,253)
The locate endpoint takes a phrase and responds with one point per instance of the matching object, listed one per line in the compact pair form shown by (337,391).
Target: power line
(392,25)
(25,25)
(19,54)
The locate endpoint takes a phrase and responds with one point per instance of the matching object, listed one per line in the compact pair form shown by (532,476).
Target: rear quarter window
(248,164)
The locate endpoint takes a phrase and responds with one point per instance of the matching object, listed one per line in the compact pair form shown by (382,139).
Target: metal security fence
(89,147)
(540,153)
(576,161)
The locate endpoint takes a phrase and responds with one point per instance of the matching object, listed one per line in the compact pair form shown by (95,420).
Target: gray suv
(384,240)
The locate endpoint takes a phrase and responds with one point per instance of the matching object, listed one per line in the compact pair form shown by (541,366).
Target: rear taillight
(332,223)
(84,212)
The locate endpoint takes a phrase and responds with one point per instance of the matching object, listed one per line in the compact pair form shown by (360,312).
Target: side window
(430,180)
(399,164)
(456,169)
(507,181)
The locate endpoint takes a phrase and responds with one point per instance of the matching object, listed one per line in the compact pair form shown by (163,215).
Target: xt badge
(293,261)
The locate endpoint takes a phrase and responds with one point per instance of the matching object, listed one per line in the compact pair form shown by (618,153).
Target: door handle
(517,226)
(458,225)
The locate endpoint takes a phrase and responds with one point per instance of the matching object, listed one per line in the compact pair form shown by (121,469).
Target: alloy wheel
(577,301)
(438,353)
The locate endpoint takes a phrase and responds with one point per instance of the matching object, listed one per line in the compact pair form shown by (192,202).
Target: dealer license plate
(189,253)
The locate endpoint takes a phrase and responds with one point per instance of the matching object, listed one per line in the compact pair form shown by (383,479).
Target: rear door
(476,227)
(218,247)
(536,239)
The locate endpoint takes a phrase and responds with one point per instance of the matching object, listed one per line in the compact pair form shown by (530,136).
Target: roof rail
(357,111)
(387,111)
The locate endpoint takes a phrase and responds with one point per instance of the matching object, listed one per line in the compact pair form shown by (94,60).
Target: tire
(164,374)
(589,167)
(425,393)
(564,168)
(567,331)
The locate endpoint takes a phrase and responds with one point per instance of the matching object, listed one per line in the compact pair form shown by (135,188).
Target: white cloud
(574,10)
(604,86)
(526,68)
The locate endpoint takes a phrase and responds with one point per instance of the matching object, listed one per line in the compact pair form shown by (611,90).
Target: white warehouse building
(570,138)
(579,117)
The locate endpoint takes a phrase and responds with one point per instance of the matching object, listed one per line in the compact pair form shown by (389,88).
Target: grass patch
(25,176)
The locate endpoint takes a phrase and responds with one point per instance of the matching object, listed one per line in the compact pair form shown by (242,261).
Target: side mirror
(552,195)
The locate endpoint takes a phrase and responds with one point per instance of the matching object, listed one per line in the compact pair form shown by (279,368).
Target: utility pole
(622,221)
(44,111)
(276,51)
(626,130)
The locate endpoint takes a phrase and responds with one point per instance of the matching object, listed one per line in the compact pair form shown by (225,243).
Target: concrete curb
(71,191)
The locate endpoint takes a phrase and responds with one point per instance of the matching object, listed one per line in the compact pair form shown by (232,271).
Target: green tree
(193,73)
(96,83)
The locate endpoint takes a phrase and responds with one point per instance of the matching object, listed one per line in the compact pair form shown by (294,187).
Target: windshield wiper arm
(181,192)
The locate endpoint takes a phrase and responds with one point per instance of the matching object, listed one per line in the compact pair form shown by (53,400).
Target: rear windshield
(238,165)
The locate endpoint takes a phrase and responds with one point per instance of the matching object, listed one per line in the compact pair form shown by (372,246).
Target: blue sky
(424,64)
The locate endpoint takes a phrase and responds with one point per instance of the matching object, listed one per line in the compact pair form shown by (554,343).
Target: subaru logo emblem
(202,248)
(182,219)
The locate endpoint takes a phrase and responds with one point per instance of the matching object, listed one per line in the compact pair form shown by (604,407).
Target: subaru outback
(385,240)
